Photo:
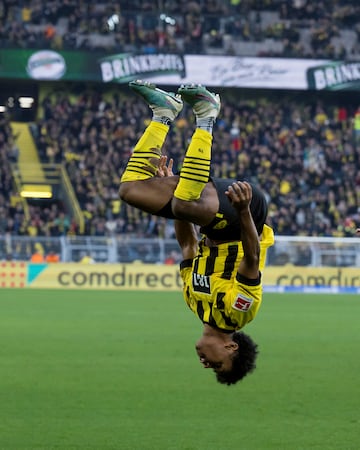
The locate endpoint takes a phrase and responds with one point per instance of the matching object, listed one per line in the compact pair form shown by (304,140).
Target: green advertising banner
(335,76)
(86,66)
(175,69)
(49,65)
(123,67)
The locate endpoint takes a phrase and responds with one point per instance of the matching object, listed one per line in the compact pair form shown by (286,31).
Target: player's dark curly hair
(243,360)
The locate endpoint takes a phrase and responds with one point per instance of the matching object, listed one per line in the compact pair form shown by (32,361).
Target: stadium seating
(301,150)
(298,28)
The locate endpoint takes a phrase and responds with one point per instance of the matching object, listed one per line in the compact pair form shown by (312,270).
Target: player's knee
(198,212)
(125,190)
(180,208)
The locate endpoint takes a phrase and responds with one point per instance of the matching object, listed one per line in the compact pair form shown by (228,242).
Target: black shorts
(226,225)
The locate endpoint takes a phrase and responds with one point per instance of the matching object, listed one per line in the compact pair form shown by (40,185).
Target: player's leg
(153,195)
(137,186)
(191,200)
(141,189)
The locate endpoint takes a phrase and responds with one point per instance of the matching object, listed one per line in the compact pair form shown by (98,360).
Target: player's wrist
(243,211)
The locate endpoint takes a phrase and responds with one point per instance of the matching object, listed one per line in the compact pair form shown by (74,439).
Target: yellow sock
(195,171)
(142,162)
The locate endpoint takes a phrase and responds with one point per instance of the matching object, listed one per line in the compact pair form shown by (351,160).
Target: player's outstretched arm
(240,194)
(187,238)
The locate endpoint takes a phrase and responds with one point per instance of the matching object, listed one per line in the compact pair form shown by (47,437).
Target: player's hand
(164,169)
(358,232)
(240,195)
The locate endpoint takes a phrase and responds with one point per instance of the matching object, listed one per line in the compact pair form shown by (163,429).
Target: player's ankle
(165,119)
(205,123)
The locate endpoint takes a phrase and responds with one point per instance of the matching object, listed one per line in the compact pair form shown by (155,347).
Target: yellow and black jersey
(214,290)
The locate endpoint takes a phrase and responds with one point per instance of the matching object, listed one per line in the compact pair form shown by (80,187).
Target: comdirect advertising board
(167,277)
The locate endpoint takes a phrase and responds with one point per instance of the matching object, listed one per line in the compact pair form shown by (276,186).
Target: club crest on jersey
(243,303)
(220,225)
(201,283)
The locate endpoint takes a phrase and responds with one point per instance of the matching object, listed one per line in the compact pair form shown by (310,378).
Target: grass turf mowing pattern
(118,370)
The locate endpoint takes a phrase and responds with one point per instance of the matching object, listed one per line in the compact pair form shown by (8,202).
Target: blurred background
(289,79)
(107,360)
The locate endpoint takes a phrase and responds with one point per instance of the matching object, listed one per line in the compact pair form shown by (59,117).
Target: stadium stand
(297,28)
(302,151)
(12,207)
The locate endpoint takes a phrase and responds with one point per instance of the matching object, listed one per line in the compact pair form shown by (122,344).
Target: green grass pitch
(118,370)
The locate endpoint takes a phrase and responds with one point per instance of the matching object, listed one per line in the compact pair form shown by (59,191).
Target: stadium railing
(294,250)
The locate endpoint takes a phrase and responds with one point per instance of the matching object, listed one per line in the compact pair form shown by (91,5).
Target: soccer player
(222,271)
(222,286)
(193,195)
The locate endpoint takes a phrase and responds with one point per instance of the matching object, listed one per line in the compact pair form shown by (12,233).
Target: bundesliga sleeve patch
(242,303)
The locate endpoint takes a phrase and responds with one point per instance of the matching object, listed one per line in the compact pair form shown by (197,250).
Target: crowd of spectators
(303,151)
(197,26)
(12,208)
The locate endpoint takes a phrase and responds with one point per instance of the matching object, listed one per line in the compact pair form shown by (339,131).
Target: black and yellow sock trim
(142,165)
(143,162)
(195,171)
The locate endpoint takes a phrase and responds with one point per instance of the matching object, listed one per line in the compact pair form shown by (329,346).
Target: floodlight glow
(36,191)
(26,102)
(112,21)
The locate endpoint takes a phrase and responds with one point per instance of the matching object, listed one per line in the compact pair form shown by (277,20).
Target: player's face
(215,353)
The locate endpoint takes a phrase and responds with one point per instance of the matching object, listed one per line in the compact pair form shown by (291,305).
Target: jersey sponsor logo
(243,303)
(201,283)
